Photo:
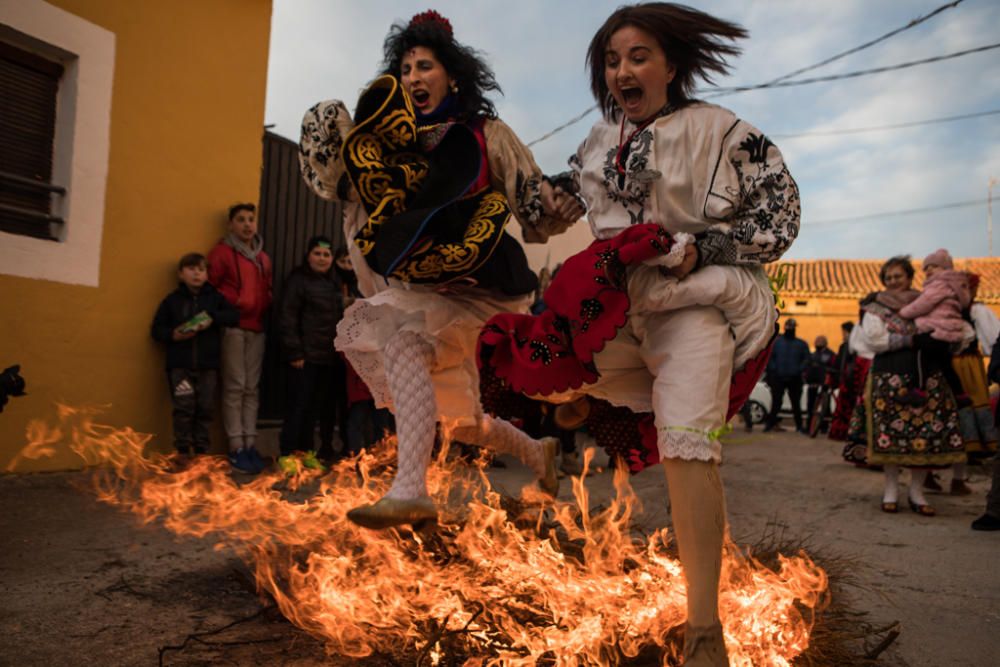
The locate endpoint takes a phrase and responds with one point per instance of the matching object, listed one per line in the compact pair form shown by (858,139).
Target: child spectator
(937,314)
(938,309)
(241,270)
(311,306)
(364,424)
(190,320)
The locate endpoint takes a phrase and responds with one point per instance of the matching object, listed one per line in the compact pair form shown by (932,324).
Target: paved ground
(81,584)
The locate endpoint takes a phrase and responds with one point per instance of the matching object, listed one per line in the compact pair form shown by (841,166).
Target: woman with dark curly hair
(661,328)
(430,177)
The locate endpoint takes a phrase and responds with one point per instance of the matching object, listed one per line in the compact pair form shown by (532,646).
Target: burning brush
(499,582)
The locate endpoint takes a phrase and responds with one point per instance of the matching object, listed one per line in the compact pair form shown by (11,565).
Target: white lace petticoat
(450,322)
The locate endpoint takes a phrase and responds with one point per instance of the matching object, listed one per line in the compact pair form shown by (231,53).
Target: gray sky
(323,49)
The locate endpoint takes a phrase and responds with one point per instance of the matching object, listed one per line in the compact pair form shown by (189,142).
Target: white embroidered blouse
(700,170)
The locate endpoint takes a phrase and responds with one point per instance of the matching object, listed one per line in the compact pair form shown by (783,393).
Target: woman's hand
(298,363)
(560,204)
(687,266)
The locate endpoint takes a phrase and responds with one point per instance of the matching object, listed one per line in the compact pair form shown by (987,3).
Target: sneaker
(241,462)
(256,460)
(289,465)
(986,522)
(310,461)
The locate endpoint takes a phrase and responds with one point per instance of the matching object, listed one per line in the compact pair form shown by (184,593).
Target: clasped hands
(560,204)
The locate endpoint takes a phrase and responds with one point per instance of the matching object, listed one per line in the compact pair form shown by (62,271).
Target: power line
(887,214)
(879,128)
(801,82)
(862,72)
(913,23)
(572,121)
(719,93)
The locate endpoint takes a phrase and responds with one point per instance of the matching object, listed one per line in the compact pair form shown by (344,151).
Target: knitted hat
(318,240)
(939,258)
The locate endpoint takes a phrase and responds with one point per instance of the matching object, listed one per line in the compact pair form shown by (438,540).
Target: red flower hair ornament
(431,16)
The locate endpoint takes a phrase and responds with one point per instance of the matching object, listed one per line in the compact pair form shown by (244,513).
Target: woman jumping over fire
(668,312)
(429,177)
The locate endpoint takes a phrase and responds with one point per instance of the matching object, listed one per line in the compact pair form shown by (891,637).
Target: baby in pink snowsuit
(937,313)
(946,293)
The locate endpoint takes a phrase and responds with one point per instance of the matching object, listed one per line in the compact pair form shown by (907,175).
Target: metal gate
(289,214)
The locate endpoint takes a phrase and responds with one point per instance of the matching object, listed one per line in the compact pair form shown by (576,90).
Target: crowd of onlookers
(214,325)
(912,388)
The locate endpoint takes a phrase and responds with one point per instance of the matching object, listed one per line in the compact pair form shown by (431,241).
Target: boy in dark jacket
(189,321)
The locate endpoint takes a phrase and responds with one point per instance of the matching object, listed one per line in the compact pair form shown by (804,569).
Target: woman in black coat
(311,306)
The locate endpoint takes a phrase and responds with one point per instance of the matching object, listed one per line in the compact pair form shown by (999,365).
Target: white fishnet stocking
(407,361)
(503,437)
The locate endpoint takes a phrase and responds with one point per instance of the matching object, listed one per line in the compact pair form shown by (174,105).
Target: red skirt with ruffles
(586,304)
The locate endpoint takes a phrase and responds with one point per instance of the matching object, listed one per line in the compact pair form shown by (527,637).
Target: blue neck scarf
(443,113)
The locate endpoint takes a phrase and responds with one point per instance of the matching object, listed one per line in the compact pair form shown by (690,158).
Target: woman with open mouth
(429,176)
(656,333)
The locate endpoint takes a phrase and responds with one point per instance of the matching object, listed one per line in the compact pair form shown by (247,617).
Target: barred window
(29,86)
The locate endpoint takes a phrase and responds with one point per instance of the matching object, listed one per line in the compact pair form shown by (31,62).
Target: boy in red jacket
(241,270)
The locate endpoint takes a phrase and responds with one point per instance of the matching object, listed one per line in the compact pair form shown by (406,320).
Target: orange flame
(508,586)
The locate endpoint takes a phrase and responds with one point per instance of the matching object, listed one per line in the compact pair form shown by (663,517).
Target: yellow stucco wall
(186,124)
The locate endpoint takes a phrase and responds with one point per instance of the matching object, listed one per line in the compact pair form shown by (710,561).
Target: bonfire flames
(498,582)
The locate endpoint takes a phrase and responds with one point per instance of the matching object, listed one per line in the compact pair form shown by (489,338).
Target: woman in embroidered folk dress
(899,431)
(977,422)
(412,339)
(686,202)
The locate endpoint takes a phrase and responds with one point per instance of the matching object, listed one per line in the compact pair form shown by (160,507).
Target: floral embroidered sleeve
(515,173)
(752,201)
(324,128)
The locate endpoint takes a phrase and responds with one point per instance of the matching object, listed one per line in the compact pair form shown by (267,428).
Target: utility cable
(915,22)
(887,214)
(572,121)
(879,128)
(718,93)
(862,72)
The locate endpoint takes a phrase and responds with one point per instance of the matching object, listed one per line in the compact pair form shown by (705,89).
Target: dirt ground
(82,584)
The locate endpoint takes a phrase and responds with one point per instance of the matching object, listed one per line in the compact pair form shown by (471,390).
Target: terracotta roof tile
(854,278)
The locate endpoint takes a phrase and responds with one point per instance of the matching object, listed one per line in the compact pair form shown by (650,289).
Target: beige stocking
(698,509)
